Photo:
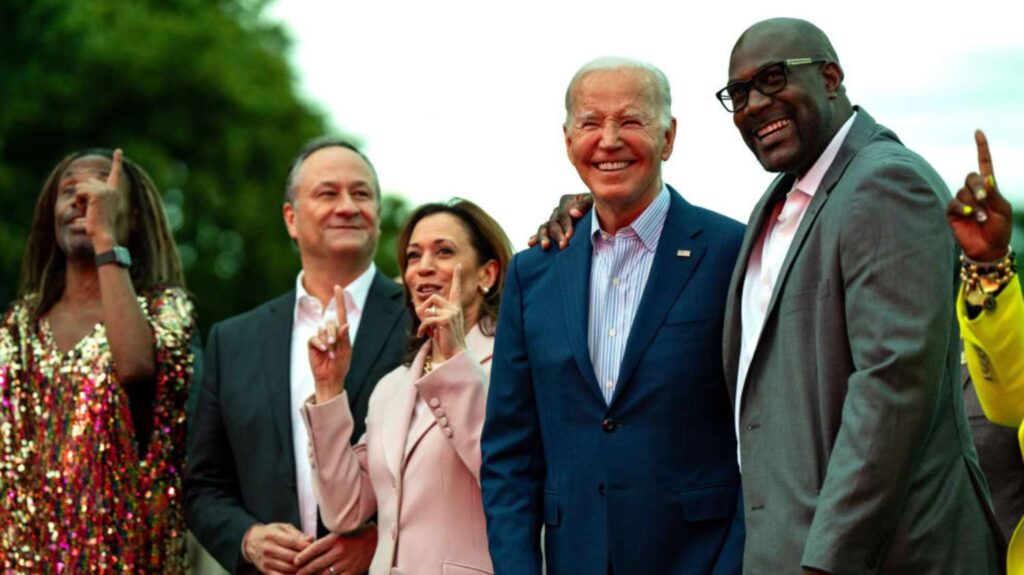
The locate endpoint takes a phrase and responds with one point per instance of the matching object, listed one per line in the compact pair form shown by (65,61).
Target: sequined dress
(76,495)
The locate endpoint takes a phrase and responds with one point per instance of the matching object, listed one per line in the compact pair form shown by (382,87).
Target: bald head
(657,79)
(798,35)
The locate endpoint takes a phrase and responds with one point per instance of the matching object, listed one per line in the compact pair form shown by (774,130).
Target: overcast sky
(466,98)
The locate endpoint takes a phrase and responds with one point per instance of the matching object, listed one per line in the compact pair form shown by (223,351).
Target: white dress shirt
(770,252)
(309,317)
(618,275)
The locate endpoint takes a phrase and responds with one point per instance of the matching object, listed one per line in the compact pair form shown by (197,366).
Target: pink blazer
(419,473)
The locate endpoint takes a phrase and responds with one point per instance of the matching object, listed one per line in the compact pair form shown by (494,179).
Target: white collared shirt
(309,316)
(618,275)
(766,260)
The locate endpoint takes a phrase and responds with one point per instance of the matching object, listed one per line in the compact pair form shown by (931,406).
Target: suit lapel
(856,138)
(668,277)
(276,360)
(733,329)
(573,265)
(398,418)
(384,304)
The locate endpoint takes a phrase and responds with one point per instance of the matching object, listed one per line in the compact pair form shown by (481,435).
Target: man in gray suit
(841,348)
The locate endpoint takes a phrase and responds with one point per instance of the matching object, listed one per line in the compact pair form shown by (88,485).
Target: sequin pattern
(75,497)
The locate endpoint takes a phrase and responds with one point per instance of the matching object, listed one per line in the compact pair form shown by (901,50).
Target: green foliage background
(198,92)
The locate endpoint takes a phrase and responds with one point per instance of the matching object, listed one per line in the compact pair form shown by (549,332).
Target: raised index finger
(339,303)
(115,169)
(984,156)
(455,289)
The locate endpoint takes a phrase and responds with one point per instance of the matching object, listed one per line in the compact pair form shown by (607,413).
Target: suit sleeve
(215,513)
(459,387)
(512,473)
(995,354)
(341,479)
(897,259)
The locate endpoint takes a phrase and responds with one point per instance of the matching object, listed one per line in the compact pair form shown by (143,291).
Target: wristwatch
(117,255)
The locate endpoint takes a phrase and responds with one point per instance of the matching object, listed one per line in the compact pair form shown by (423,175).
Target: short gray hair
(619,63)
(315,145)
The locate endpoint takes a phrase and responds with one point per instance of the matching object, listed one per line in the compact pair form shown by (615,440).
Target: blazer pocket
(706,503)
(452,568)
(690,310)
(804,297)
(550,508)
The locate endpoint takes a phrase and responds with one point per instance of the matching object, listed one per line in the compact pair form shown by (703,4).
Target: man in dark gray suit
(249,493)
(841,348)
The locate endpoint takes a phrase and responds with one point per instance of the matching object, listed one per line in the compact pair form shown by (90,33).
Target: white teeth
(612,165)
(774,126)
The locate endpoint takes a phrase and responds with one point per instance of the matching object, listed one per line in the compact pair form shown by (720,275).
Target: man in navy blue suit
(608,420)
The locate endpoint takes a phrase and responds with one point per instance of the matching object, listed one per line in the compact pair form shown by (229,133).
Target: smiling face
(788,130)
(69,210)
(437,244)
(335,211)
(615,137)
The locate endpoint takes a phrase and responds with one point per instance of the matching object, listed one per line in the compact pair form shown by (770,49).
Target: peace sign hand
(330,353)
(443,319)
(979,215)
(102,201)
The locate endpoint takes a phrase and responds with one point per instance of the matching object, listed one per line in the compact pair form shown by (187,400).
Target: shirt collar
(356,291)
(810,181)
(647,226)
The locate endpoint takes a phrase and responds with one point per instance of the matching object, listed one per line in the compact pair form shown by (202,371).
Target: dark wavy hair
(155,261)
(489,242)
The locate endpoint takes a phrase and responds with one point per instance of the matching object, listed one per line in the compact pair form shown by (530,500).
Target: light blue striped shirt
(618,275)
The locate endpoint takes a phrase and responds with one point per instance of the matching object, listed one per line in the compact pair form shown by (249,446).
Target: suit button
(600,488)
(753,426)
(434,402)
(609,425)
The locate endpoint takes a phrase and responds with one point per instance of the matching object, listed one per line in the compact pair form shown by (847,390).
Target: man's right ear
(288,211)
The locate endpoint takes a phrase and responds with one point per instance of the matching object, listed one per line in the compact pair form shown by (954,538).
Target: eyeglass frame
(723,94)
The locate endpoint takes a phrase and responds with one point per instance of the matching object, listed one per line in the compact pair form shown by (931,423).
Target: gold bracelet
(982,280)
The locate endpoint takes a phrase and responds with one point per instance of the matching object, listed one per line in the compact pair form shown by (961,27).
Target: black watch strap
(117,255)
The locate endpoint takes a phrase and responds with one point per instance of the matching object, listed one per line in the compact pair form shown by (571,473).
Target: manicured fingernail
(991,181)
(980,194)
(330,340)
(968,210)
(981,216)
(330,354)
(322,347)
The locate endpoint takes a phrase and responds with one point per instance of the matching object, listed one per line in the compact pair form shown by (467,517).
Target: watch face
(118,255)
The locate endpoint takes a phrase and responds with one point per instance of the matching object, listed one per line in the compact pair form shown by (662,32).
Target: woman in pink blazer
(418,465)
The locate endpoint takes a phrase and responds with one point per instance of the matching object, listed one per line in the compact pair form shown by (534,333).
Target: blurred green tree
(200,93)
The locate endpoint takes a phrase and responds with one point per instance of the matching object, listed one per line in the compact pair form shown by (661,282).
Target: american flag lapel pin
(683,253)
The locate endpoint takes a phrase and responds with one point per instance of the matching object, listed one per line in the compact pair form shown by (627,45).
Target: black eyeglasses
(770,79)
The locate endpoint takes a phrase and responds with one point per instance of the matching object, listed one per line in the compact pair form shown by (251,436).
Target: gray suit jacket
(856,454)
(241,465)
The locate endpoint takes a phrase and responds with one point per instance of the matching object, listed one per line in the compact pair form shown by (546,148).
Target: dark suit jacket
(241,465)
(855,451)
(647,484)
(999,454)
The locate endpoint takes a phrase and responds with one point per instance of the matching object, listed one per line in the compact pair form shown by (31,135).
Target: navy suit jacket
(648,483)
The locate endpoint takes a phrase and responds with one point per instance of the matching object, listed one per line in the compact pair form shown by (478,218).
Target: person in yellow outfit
(990,306)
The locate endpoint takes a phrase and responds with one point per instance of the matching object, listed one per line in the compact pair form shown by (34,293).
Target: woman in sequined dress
(94,366)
